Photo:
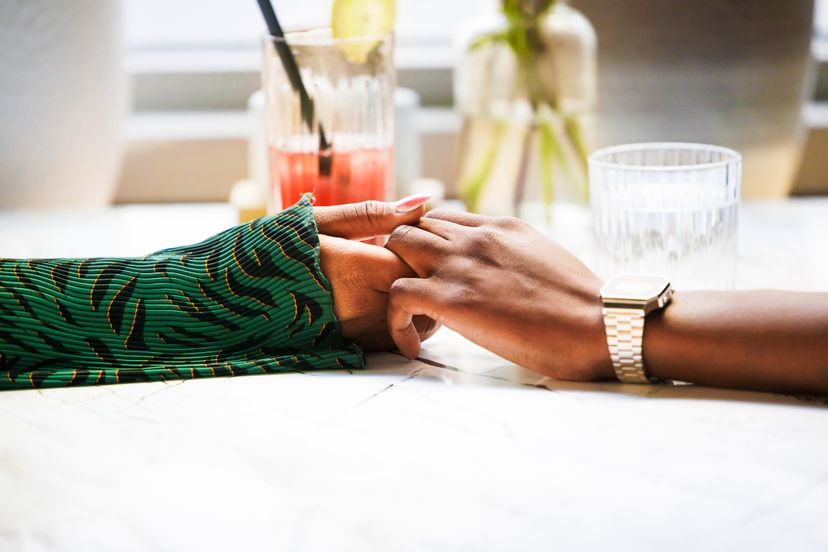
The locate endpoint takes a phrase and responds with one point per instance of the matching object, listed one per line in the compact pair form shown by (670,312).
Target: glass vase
(526,88)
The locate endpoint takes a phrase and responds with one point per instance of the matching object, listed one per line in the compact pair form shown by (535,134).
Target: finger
(421,250)
(367,219)
(409,297)
(459,217)
(379,265)
(442,228)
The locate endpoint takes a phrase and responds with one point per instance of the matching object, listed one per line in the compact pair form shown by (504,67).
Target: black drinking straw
(292,70)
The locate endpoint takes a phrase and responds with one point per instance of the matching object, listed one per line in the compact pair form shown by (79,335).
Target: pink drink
(352,108)
(356,175)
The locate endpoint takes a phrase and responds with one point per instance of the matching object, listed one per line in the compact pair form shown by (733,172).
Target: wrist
(667,347)
(569,337)
(663,342)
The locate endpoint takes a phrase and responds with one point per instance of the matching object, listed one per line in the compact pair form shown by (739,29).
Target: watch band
(625,335)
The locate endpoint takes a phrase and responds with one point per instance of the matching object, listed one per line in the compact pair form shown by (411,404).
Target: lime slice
(352,19)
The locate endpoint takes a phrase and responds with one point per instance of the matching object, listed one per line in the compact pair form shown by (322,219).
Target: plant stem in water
(523,170)
(474,185)
(547,153)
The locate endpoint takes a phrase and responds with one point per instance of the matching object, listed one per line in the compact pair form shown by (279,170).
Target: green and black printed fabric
(250,300)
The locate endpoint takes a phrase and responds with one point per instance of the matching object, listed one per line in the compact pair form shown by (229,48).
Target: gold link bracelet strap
(625,336)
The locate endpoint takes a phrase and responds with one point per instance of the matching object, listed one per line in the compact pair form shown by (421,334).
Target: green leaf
(487,40)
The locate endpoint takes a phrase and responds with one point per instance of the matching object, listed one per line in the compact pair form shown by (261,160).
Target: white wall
(197,23)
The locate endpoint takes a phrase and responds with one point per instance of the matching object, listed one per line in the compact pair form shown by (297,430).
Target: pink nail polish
(411,202)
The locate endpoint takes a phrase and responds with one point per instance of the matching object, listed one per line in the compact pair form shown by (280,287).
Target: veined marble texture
(458,451)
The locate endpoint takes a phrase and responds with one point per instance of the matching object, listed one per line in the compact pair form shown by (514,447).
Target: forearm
(763,340)
(249,300)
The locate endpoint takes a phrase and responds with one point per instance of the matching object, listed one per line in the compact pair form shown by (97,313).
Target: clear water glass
(667,208)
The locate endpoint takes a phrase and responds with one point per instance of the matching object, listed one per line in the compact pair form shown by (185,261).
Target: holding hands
(361,274)
(508,288)
(496,281)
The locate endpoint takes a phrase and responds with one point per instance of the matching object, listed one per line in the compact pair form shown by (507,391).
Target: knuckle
(437,214)
(400,287)
(485,237)
(399,291)
(371,210)
(509,223)
(400,233)
(483,245)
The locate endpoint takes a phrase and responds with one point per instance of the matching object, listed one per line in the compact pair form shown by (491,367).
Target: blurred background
(177,126)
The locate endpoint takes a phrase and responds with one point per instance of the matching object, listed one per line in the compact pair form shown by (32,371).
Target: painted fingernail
(411,202)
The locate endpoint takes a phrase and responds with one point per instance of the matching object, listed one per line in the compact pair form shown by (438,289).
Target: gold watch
(628,299)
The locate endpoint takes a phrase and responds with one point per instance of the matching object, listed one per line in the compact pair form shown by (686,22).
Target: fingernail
(411,202)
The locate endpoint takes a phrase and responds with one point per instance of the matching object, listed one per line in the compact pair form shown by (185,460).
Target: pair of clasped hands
(496,281)
(508,288)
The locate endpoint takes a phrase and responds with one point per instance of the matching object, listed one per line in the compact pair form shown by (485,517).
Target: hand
(361,274)
(504,286)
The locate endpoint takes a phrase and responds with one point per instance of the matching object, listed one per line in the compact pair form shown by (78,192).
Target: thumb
(367,219)
(408,298)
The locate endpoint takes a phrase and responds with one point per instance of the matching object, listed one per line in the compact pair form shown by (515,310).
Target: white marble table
(460,451)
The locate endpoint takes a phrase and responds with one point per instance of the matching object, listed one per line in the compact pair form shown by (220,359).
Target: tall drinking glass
(667,208)
(351,82)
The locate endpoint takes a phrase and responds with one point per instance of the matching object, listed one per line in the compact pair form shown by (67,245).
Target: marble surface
(460,450)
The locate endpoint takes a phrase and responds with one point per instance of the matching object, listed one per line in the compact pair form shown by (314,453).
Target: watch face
(634,287)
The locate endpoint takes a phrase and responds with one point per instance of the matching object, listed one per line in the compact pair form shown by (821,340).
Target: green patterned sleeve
(250,300)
